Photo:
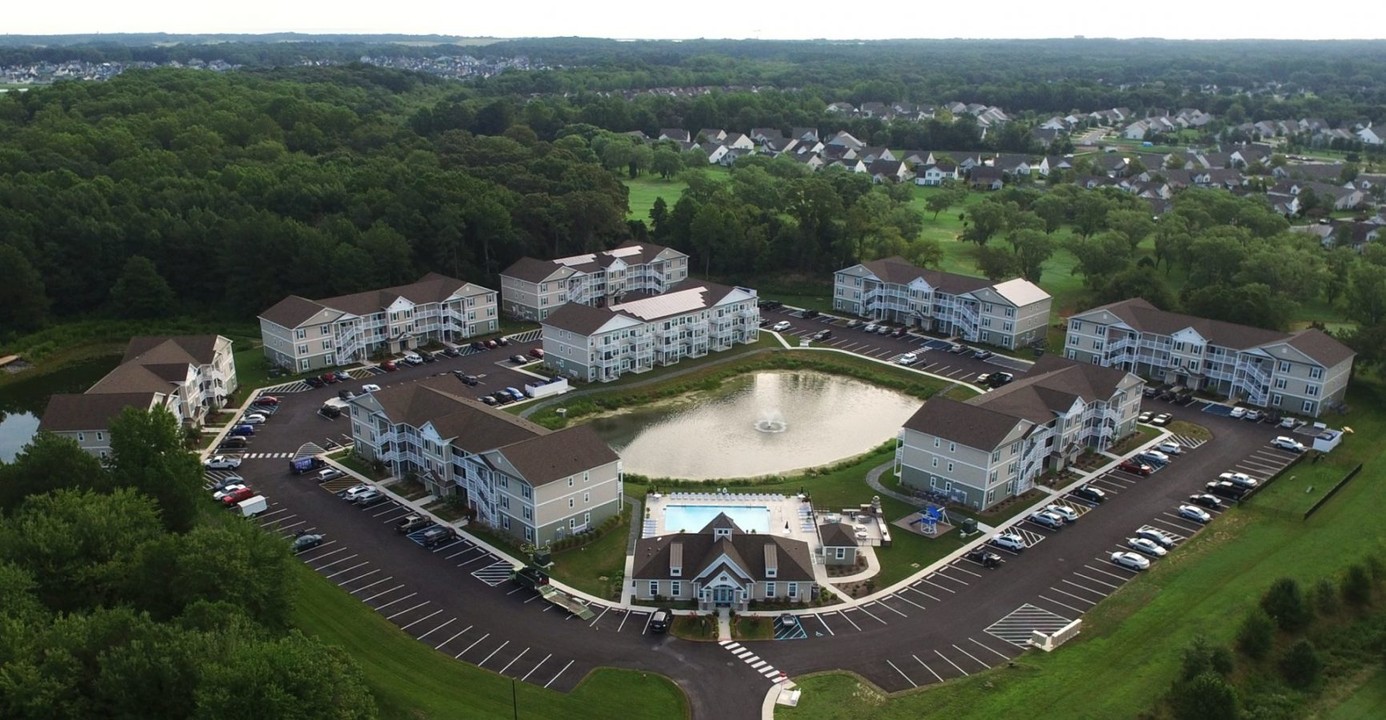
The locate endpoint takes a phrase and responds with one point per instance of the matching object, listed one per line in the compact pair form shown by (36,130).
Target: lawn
(584,567)
(1369,701)
(411,680)
(1200,590)
(646,188)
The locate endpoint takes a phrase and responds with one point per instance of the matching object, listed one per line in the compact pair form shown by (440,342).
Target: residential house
(888,170)
(993,446)
(675,134)
(1371,135)
(302,334)
(722,565)
(188,375)
(737,141)
(1009,314)
(845,139)
(711,135)
(1301,372)
(533,484)
(844,108)
(531,289)
(986,178)
(762,135)
(804,134)
(692,319)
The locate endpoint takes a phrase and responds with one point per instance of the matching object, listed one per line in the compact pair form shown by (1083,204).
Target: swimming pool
(692,518)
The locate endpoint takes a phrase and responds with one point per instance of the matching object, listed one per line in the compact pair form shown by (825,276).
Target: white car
(227,490)
(1130,561)
(222,462)
(870,327)
(1047,519)
(370,388)
(1063,511)
(1009,541)
(1159,537)
(908,358)
(1238,413)
(253,419)
(1288,422)
(780,326)
(1146,546)
(357,491)
(1157,455)
(1170,448)
(1287,443)
(1240,479)
(1194,513)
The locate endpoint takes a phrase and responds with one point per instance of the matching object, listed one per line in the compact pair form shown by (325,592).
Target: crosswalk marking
(745,655)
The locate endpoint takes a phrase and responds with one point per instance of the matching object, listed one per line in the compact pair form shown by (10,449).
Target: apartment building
(519,478)
(188,375)
(1302,372)
(692,319)
(531,289)
(1011,314)
(302,335)
(991,447)
(722,565)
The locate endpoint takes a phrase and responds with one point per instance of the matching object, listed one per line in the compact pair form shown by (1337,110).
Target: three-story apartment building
(991,447)
(1011,314)
(302,334)
(188,375)
(535,484)
(692,319)
(1300,372)
(531,289)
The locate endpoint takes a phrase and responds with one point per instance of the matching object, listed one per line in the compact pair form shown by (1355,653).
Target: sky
(806,19)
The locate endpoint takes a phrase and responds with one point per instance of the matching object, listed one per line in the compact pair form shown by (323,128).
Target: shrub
(1357,586)
(1201,657)
(1256,634)
(1287,606)
(1325,597)
(1205,697)
(1301,665)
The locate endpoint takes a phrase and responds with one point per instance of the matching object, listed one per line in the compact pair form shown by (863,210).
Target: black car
(487,399)
(465,378)
(810,314)
(234,443)
(1209,501)
(502,398)
(314,382)
(984,557)
(478,345)
(428,357)
(1150,391)
(823,334)
(661,620)
(435,536)
(1225,489)
(450,351)
(1091,494)
(345,394)
(997,379)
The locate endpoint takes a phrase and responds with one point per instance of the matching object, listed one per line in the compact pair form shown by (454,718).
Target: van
(660,621)
(251,507)
(242,430)
(301,465)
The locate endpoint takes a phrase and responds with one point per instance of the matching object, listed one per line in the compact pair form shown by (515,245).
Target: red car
(329,378)
(388,365)
(267,400)
(537,352)
(1136,468)
(236,496)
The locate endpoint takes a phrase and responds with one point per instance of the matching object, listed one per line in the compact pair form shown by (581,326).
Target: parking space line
(469,562)
(454,637)
(898,596)
(844,617)
(897,612)
(926,667)
(560,672)
(959,568)
(974,657)
(1122,578)
(387,592)
(469,647)
(624,618)
(344,583)
(386,510)
(941,574)
(284,529)
(646,628)
(1093,579)
(921,592)
(441,548)
(940,587)
(536,667)
(353,567)
(512,662)
(825,624)
(307,560)
(1000,654)
(950,662)
(1079,597)
(493,653)
(463,551)
(1056,602)
(605,610)
(406,513)
(264,518)
(436,629)
(392,602)
(871,615)
(1177,526)
(320,568)
(903,675)
(416,622)
(377,582)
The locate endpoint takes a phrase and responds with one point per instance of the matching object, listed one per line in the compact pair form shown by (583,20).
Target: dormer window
(721,533)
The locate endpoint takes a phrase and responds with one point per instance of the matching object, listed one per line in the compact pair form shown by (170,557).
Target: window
(1308,407)
(950,467)
(505,522)
(572,523)
(81,437)
(586,497)
(952,447)
(570,503)
(937,442)
(1076,324)
(935,462)
(654,587)
(841,553)
(303,349)
(1072,354)
(570,482)
(794,591)
(675,588)
(769,589)
(1096,344)
(325,330)
(1316,373)
(996,455)
(1276,400)
(1311,390)
(529,534)
(527,491)
(100,435)
(1280,383)
(1284,366)
(529,514)
(300,334)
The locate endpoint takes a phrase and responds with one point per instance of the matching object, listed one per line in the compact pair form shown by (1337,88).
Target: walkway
(873,478)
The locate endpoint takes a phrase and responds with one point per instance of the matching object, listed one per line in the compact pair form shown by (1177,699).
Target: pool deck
(790,515)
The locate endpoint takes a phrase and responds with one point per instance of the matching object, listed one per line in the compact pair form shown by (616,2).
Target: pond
(763,423)
(23,399)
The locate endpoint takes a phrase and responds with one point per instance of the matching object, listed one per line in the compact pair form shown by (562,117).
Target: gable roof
(899,271)
(578,318)
(1020,292)
(704,555)
(292,311)
(965,423)
(1321,346)
(464,422)
(195,349)
(75,412)
(838,534)
(542,459)
(1141,316)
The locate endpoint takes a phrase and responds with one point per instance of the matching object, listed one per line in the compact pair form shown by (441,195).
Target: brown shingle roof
(701,552)
(532,270)
(292,311)
(837,534)
(1321,346)
(545,458)
(970,425)
(468,424)
(899,271)
(195,349)
(71,413)
(578,318)
(135,378)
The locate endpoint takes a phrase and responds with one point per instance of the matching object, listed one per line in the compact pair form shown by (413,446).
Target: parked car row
(233,492)
(364,495)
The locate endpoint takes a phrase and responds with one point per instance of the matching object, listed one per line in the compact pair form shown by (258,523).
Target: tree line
(120,599)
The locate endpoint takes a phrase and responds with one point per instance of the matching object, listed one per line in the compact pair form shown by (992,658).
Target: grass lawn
(1143,435)
(350,460)
(701,627)
(1369,700)
(753,628)
(411,680)
(646,188)
(1202,589)
(584,567)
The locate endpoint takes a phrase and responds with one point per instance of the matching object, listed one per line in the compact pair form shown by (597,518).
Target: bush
(1357,586)
(1200,657)
(1301,665)
(1325,597)
(1256,634)
(1287,606)
(1205,697)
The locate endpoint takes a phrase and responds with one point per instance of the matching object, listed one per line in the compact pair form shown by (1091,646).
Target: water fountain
(771,422)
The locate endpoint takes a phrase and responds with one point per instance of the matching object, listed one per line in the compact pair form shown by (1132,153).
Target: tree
(1285,603)
(666,162)
(1206,697)
(1032,248)
(1136,225)
(141,292)
(1052,209)
(1325,597)
(1301,665)
(147,455)
(924,253)
(1256,634)
(987,218)
(1366,294)
(944,198)
(1201,657)
(49,462)
(1357,586)
(1136,281)
(994,262)
(291,677)
(1090,213)
(23,297)
(1100,256)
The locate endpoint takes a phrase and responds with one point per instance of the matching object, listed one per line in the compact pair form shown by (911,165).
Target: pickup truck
(529,577)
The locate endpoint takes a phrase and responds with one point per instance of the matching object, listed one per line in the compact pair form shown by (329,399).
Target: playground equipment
(930,517)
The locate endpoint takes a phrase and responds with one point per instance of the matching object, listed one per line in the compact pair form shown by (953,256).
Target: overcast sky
(681,20)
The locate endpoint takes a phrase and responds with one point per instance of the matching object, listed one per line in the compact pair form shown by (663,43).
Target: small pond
(23,399)
(763,423)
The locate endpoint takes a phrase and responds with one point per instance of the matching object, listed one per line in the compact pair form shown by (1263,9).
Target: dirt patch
(910,523)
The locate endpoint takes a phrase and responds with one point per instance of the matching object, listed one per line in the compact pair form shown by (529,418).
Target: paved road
(958,620)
